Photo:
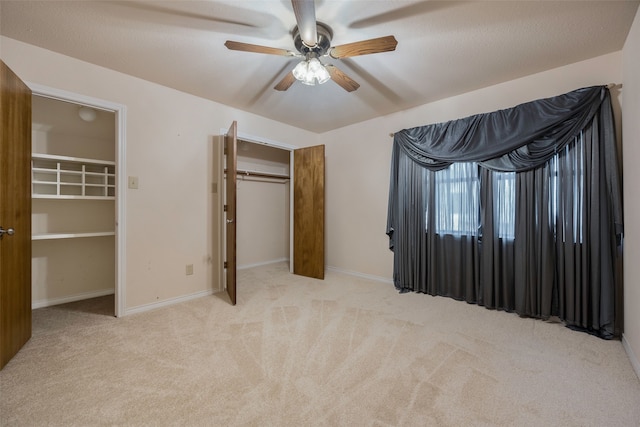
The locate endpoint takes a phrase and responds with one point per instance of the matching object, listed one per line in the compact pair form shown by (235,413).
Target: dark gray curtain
(561,259)
(498,254)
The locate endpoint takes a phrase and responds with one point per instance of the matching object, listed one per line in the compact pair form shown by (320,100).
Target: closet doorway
(77,201)
(278,222)
(263,204)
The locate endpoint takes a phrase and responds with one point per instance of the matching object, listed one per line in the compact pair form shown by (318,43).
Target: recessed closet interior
(73,202)
(263,204)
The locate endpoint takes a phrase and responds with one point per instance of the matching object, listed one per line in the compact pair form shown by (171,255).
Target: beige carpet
(303,352)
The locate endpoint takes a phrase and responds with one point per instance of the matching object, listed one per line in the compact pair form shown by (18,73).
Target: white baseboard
(168,302)
(364,276)
(635,363)
(72,298)
(275,261)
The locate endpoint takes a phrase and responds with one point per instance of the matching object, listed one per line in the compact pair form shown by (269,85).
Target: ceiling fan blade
(246,47)
(344,81)
(286,82)
(305,11)
(403,12)
(364,47)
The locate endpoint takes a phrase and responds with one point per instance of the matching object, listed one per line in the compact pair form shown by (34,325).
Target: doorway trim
(120,111)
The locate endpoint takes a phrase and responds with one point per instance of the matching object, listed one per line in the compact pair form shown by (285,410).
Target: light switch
(133,182)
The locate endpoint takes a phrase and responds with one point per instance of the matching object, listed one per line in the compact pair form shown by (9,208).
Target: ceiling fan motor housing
(322,46)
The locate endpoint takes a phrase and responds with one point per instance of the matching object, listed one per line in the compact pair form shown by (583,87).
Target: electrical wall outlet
(189,269)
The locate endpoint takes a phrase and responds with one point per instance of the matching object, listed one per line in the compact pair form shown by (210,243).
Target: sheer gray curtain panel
(529,217)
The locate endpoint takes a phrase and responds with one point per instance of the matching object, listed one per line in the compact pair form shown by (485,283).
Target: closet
(73,202)
(263,204)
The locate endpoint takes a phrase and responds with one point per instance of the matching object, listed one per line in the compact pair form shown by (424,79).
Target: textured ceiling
(444,48)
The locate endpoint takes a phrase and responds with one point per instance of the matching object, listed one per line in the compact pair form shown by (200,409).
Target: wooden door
(231,145)
(308,212)
(15,214)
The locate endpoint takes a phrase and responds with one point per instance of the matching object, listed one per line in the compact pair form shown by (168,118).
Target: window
(457,209)
(457,201)
(567,195)
(505,204)
(458,204)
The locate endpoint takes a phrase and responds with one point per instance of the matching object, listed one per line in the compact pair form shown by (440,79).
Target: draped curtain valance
(515,139)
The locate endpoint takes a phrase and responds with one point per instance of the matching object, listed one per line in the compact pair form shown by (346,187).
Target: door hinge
(225,264)
(225,208)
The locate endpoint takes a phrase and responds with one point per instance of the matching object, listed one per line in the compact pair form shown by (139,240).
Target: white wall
(358,158)
(631,157)
(262,222)
(171,218)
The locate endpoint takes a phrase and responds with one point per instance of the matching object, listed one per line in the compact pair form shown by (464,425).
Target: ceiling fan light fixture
(312,40)
(311,72)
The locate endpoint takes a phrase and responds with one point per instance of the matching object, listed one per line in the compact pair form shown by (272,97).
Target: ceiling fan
(312,41)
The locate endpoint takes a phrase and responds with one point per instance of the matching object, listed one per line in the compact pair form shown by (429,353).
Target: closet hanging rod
(259,174)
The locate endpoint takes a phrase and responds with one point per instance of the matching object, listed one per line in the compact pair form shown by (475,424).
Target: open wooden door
(308,211)
(15,214)
(230,149)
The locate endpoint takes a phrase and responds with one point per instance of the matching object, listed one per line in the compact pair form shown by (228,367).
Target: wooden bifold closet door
(231,151)
(308,212)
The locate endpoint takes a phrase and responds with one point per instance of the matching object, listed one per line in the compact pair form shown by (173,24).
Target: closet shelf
(71,197)
(56,236)
(56,157)
(64,177)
